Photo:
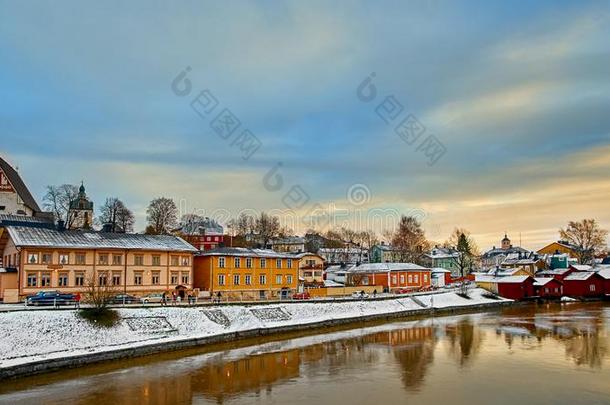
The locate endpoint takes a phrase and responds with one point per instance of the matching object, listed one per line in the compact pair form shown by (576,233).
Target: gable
(5,184)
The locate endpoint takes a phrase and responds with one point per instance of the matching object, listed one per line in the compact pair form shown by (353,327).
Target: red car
(301,296)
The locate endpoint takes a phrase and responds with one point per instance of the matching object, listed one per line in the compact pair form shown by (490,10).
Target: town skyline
(514,93)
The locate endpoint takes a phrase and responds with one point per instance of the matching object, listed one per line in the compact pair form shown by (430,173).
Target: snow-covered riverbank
(39,337)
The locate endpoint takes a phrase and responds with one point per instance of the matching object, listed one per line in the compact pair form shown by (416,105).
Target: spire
(81,190)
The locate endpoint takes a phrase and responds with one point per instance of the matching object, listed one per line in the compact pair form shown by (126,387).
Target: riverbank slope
(44,340)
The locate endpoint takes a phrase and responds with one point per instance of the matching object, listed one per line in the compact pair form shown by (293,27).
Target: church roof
(19,186)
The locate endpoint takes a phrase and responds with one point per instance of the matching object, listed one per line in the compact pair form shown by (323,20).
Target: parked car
(124,299)
(50,298)
(152,298)
(301,296)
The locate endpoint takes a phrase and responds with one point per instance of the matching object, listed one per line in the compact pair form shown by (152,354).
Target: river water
(546,354)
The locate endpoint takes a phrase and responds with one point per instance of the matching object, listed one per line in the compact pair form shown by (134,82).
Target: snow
(29,336)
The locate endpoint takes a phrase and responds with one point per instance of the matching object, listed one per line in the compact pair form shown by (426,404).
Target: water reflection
(404,353)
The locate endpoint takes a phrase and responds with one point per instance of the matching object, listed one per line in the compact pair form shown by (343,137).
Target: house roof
(581,267)
(580,275)
(27,236)
(492,279)
(542,281)
(290,240)
(385,267)
(605,273)
(245,252)
(19,186)
(22,220)
(440,270)
(303,254)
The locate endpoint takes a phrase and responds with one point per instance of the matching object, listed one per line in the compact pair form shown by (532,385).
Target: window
(278,279)
(185,278)
(102,279)
(237,262)
(249,262)
(174,278)
(248,279)
(289,263)
(64,258)
(410,278)
(80,258)
(62,281)
(186,261)
(116,279)
(365,280)
(416,278)
(32,280)
(156,260)
(79,279)
(33,258)
(137,278)
(425,278)
(221,262)
(592,287)
(138,260)
(117,260)
(175,261)
(47,258)
(402,279)
(221,279)
(289,279)
(103,259)
(263,263)
(546,290)
(394,280)
(236,279)
(278,263)
(262,279)
(155,278)
(45,280)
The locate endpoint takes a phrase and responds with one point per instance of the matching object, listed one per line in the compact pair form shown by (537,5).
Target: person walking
(173,298)
(77,300)
(164,299)
(218,297)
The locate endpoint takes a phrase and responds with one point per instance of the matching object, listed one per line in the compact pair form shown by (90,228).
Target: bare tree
(116,215)
(242,225)
(266,228)
(587,236)
(162,216)
(58,199)
(409,240)
(100,292)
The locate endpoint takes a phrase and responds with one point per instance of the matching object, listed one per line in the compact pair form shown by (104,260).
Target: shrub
(100,317)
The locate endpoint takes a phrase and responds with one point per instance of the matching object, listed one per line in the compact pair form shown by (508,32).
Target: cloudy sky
(517,94)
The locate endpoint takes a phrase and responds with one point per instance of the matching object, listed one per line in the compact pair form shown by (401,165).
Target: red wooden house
(512,287)
(605,274)
(584,284)
(548,287)
(391,276)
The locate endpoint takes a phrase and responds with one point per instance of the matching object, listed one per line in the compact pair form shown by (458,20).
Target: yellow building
(311,269)
(560,247)
(45,258)
(241,273)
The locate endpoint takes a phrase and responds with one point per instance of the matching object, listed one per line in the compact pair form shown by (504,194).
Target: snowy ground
(28,336)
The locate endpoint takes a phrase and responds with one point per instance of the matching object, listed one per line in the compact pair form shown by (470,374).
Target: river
(545,354)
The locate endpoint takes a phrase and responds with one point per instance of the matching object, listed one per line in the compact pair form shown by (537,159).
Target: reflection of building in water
(250,374)
(582,334)
(464,341)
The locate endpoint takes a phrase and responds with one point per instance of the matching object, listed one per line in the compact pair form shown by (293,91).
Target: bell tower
(81,211)
(506,242)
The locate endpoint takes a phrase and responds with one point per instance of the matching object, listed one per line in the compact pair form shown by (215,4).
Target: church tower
(81,211)
(506,242)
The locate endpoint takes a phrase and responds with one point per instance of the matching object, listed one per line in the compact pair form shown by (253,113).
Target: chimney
(61,225)
(107,228)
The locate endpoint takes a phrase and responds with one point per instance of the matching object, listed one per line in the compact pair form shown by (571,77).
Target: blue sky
(518,93)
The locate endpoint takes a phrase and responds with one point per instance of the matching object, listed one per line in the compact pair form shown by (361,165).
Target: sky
(511,101)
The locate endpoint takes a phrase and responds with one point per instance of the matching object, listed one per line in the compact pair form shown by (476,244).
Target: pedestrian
(164,299)
(218,297)
(173,298)
(374,292)
(77,300)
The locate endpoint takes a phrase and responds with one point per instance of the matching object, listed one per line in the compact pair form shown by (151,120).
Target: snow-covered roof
(290,240)
(556,272)
(581,267)
(51,238)
(385,267)
(245,252)
(303,254)
(440,270)
(580,275)
(492,279)
(442,253)
(605,273)
(331,283)
(542,281)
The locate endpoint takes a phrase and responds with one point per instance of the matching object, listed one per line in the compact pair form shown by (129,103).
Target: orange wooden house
(392,276)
